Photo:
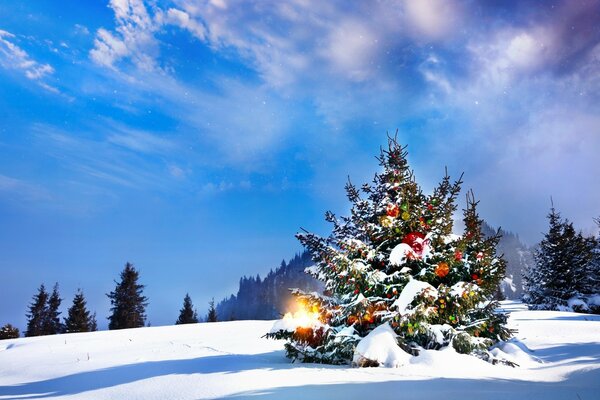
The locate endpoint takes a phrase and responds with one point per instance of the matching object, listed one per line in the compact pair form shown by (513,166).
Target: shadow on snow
(124,374)
(580,385)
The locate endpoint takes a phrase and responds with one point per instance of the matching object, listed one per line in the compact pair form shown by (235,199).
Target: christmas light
(304,318)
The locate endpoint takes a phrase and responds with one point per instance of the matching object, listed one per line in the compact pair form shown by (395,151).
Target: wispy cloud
(22,191)
(14,57)
(110,154)
(140,141)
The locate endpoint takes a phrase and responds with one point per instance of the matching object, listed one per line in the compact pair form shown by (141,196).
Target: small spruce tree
(37,316)
(79,318)
(212,312)
(93,323)
(52,324)
(128,304)
(395,261)
(187,315)
(9,332)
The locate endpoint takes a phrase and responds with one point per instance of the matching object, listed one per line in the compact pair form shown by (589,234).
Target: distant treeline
(270,297)
(128,310)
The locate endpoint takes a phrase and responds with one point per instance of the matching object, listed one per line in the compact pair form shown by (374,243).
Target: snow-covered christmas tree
(395,273)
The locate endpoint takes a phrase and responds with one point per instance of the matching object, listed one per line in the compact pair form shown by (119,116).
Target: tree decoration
(442,269)
(411,274)
(392,210)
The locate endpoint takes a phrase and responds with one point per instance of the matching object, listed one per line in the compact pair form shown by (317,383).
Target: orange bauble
(442,269)
(392,210)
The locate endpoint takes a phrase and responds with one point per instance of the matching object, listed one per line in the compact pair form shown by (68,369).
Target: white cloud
(134,37)
(352,48)
(108,49)
(525,51)
(182,19)
(81,29)
(432,19)
(14,57)
(510,54)
(39,71)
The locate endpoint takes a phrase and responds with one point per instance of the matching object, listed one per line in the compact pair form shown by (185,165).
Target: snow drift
(558,353)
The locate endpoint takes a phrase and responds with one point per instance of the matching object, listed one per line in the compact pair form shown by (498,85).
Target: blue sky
(194,137)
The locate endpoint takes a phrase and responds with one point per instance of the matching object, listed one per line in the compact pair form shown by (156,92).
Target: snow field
(559,354)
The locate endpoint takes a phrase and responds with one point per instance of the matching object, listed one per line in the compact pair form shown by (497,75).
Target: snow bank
(516,352)
(380,348)
(232,360)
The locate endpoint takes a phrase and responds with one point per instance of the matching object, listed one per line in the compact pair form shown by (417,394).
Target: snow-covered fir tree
(79,318)
(36,317)
(564,276)
(187,314)
(127,301)
(394,264)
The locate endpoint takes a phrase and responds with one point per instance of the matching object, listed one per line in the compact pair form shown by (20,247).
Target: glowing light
(303,318)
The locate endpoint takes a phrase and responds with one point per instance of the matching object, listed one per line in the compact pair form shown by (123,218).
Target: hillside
(232,360)
(268,298)
(518,257)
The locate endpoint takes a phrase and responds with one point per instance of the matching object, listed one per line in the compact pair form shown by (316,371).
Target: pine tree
(52,324)
(93,323)
(562,276)
(37,316)
(79,318)
(589,257)
(395,261)
(9,332)
(127,301)
(212,312)
(187,315)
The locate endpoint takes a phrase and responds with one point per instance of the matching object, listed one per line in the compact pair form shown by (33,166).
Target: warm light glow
(304,318)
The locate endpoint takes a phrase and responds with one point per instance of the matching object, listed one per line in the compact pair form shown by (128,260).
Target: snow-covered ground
(231,360)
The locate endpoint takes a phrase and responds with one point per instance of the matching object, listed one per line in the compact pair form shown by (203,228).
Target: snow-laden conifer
(396,261)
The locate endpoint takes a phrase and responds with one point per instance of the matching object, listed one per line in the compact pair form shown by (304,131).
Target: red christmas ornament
(356,291)
(415,241)
(475,277)
(429,207)
(479,255)
(392,210)
(458,255)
